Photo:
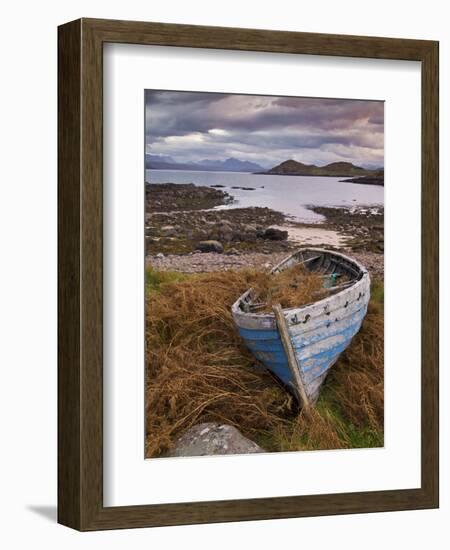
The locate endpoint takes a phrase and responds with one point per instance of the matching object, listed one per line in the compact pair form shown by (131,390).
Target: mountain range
(164,162)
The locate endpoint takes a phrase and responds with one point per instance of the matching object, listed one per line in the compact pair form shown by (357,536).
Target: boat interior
(337,271)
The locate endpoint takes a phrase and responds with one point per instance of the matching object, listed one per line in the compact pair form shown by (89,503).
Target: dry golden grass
(292,287)
(357,382)
(197,370)
(350,410)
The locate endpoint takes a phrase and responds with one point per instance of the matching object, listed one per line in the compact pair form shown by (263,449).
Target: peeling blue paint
(315,353)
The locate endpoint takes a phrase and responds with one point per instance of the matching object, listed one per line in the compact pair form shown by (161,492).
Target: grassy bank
(197,370)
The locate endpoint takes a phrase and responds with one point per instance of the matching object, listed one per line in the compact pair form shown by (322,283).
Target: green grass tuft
(377,293)
(154,279)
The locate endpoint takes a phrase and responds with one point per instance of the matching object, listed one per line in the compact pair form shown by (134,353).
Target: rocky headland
(173,197)
(363,226)
(183,218)
(376,179)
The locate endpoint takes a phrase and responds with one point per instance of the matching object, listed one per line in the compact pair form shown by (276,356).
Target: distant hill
(231,164)
(158,158)
(162,165)
(157,162)
(336,169)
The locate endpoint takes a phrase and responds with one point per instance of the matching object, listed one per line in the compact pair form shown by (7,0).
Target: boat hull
(319,332)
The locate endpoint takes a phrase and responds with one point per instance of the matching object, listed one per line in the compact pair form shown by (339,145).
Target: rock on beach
(212,438)
(210,246)
(274,234)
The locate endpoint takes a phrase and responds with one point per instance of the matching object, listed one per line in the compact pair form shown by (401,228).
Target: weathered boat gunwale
(314,324)
(329,304)
(313,309)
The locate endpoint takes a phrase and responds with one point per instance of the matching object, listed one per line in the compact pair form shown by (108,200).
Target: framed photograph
(248,274)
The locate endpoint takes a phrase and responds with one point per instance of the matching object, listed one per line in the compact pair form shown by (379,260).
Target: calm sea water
(288,194)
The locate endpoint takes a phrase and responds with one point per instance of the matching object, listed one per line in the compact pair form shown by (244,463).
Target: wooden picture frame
(80,272)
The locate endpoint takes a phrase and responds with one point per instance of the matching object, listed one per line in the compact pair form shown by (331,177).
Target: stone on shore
(212,438)
(273,234)
(210,246)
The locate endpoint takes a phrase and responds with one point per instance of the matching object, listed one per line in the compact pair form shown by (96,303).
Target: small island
(377,178)
(335,169)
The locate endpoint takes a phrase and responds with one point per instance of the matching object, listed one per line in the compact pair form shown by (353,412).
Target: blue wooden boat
(318,332)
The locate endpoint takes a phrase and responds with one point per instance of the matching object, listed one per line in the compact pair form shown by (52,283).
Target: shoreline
(200,262)
(180,218)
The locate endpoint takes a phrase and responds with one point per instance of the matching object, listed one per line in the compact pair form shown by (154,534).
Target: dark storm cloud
(191,126)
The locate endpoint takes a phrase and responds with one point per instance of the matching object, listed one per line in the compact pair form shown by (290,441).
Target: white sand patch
(313,236)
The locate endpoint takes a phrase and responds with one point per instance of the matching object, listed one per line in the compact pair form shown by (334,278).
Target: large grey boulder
(210,246)
(212,438)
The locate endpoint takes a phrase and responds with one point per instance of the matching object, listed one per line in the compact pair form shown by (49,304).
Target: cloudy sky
(192,126)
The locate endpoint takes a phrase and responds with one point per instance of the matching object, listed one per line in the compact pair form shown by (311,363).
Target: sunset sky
(192,126)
